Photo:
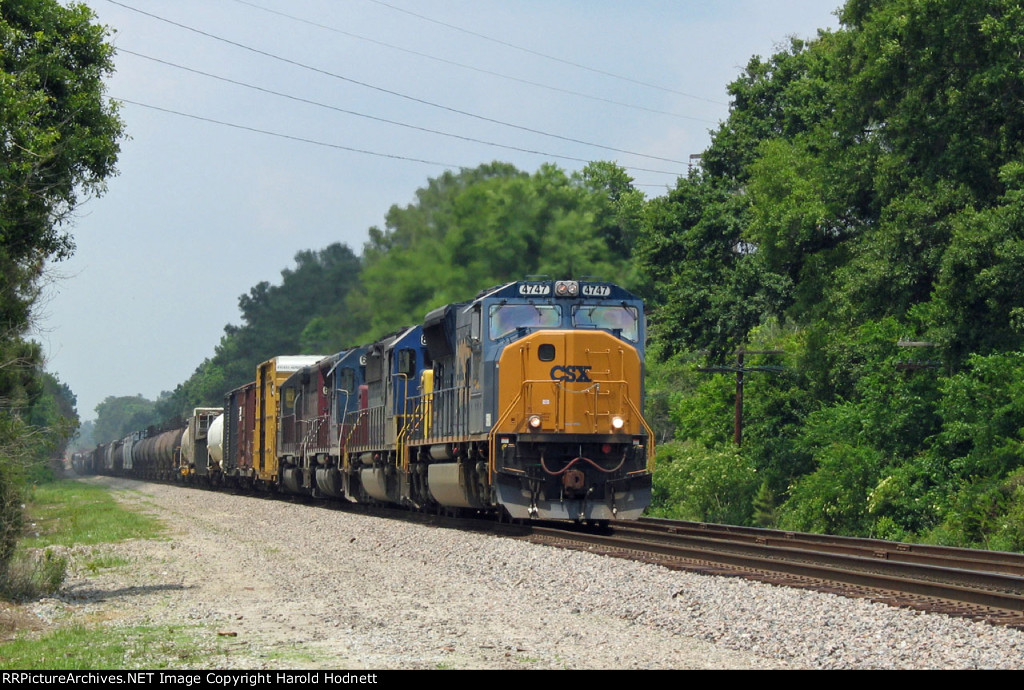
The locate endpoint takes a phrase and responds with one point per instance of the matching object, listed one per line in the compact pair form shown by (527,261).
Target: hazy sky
(205,206)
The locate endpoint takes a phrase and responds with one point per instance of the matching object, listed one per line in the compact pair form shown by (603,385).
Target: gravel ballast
(269,584)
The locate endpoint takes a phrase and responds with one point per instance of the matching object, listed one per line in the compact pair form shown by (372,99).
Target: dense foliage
(492,224)
(116,417)
(865,190)
(58,140)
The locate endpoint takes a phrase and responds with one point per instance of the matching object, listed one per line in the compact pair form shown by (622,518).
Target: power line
(545,55)
(286,136)
(342,147)
(373,117)
(389,91)
(473,67)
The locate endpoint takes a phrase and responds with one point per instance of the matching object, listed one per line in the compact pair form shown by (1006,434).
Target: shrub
(33,574)
(694,482)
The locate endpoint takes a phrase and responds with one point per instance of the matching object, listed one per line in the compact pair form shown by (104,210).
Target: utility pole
(740,369)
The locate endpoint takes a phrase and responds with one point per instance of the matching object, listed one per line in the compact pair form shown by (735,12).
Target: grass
(81,647)
(66,513)
(32,574)
(98,560)
(63,514)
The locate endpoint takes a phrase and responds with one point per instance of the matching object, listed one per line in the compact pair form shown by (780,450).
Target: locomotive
(525,402)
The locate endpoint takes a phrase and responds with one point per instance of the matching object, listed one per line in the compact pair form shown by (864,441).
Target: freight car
(524,402)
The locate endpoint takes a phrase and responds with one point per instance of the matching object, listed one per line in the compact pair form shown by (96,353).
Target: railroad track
(981,585)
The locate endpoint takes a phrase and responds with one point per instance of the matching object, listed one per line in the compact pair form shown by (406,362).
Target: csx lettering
(571,374)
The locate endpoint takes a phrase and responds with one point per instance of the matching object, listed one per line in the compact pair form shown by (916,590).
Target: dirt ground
(259,584)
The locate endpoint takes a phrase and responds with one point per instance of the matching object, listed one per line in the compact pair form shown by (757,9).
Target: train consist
(524,402)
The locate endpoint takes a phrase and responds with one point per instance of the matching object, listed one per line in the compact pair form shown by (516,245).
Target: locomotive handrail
(400,432)
(352,429)
(359,416)
(311,432)
(595,387)
(362,415)
(492,456)
(650,435)
(333,415)
(401,443)
(448,414)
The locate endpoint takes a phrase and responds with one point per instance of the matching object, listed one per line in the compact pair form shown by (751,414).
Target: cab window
(623,319)
(506,318)
(346,380)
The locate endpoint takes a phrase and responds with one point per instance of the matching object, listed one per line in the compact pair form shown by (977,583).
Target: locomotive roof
(344,356)
(286,363)
(545,288)
(400,336)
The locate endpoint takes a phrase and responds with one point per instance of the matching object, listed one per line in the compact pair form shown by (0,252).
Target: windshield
(623,319)
(506,318)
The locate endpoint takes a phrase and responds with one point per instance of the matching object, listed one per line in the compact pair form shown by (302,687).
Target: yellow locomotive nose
(573,442)
(570,381)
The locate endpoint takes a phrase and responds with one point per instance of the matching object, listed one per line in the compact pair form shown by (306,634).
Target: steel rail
(1001,591)
(927,554)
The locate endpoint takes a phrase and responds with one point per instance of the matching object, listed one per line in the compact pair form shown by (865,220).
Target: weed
(31,574)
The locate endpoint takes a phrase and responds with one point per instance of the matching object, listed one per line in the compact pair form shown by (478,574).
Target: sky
(260,128)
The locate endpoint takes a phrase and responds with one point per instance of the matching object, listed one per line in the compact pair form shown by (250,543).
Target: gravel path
(267,584)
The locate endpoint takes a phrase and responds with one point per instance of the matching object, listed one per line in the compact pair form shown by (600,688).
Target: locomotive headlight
(618,422)
(566,288)
(534,421)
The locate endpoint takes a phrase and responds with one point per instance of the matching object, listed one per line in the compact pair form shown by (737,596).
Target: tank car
(129,451)
(215,448)
(157,455)
(95,461)
(82,462)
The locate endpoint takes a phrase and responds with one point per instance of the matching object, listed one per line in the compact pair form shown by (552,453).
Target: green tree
(704,484)
(116,417)
(843,167)
(54,410)
(765,514)
(58,140)
(865,189)
(709,287)
(492,224)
